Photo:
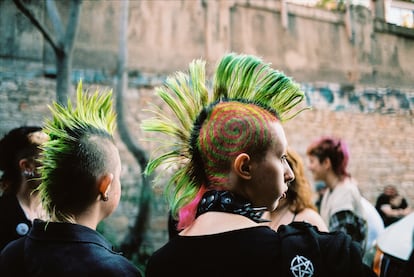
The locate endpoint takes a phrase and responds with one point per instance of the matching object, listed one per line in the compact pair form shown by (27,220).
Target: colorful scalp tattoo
(207,128)
(230,128)
(69,130)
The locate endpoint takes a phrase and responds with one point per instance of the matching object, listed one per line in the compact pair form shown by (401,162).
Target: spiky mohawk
(92,112)
(242,78)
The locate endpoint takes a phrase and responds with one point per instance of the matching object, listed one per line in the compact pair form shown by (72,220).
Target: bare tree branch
(63,47)
(38,24)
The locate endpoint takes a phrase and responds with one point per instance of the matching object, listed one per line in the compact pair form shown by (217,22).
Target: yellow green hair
(238,78)
(68,129)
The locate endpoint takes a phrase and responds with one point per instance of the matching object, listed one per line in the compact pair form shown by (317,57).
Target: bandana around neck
(225,201)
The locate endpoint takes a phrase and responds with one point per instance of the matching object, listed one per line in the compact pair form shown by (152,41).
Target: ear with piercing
(28,173)
(105,197)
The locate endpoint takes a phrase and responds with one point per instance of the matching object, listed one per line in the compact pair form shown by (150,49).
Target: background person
(20,203)
(80,187)
(341,206)
(298,204)
(228,151)
(391,205)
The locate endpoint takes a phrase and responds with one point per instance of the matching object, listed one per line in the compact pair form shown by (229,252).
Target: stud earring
(28,173)
(105,197)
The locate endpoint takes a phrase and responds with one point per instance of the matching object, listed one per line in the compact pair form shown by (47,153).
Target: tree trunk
(65,53)
(62,45)
(63,84)
(133,240)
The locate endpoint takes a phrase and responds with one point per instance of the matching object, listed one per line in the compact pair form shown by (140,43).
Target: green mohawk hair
(237,77)
(249,78)
(92,111)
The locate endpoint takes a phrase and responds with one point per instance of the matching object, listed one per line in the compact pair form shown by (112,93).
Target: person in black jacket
(80,186)
(391,205)
(20,202)
(227,153)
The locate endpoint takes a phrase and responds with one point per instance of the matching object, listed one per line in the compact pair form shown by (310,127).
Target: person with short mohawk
(227,153)
(80,186)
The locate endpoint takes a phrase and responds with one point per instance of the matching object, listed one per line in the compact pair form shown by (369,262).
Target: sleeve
(381,200)
(349,223)
(404,204)
(12,260)
(343,201)
(115,265)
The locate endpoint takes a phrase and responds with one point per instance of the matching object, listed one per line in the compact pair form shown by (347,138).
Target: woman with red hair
(298,204)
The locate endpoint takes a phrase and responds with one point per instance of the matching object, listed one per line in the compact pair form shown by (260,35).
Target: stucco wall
(164,35)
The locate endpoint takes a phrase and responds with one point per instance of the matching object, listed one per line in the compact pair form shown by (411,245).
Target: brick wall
(377,123)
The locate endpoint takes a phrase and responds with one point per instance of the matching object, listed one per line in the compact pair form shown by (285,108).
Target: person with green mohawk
(80,186)
(225,150)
